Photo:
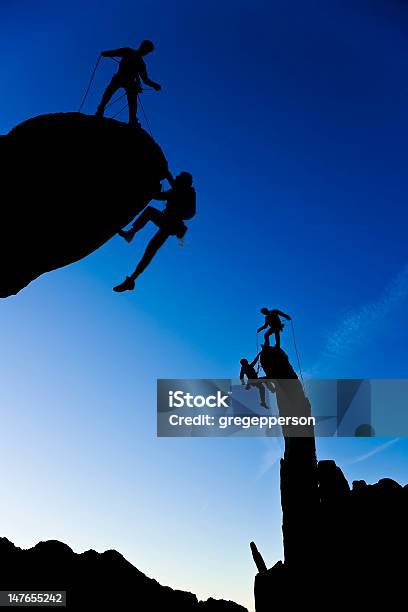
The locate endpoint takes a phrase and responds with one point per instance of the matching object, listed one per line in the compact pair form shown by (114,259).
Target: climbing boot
(127,285)
(128,235)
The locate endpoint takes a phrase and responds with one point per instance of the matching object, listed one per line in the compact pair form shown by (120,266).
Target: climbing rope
(121,111)
(145,116)
(123,95)
(257,351)
(140,102)
(143,110)
(116,100)
(89,84)
(297,355)
(123,108)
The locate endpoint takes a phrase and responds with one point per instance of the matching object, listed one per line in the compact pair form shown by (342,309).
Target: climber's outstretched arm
(255,361)
(161,196)
(115,52)
(264,326)
(145,78)
(242,376)
(282,314)
(170,179)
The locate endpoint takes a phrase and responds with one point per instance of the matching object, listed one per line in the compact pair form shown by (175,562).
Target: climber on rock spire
(248,370)
(180,206)
(132,69)
(273,322)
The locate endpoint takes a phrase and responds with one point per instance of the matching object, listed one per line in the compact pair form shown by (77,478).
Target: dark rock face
(359,549)
(70,181)
(342,545)
(94,580)
(299,486)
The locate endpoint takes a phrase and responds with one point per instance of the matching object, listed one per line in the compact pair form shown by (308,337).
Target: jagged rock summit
(358,551)
(70,181)
(343,546)
(95,581)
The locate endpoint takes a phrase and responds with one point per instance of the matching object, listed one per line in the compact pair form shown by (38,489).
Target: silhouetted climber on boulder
(132,69)
(248,370)
(273,322)
(180,206)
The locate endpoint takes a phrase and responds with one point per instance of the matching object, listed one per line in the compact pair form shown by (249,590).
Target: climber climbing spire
(180,206)
(273,324)
(132,69)
(248,370)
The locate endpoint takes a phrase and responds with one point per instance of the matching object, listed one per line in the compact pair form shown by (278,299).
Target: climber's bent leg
(277,339)
(111,89)
(270,386)
(149,214)
(267,336)
(154,245)
(262,394)
(266,341)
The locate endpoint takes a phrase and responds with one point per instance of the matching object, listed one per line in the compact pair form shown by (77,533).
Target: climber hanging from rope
(132,69)
(273,322)
(248,370)
(180,206)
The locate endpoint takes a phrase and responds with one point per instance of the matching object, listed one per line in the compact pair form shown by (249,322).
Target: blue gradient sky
(292,118)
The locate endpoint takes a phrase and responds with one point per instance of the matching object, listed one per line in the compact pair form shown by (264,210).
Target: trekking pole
(89,84)
(297,355)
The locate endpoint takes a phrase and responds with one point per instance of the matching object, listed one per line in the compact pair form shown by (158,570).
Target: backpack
(187,204)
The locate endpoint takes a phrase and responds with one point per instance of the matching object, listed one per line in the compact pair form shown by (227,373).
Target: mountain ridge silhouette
(97,580)
(342,544)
